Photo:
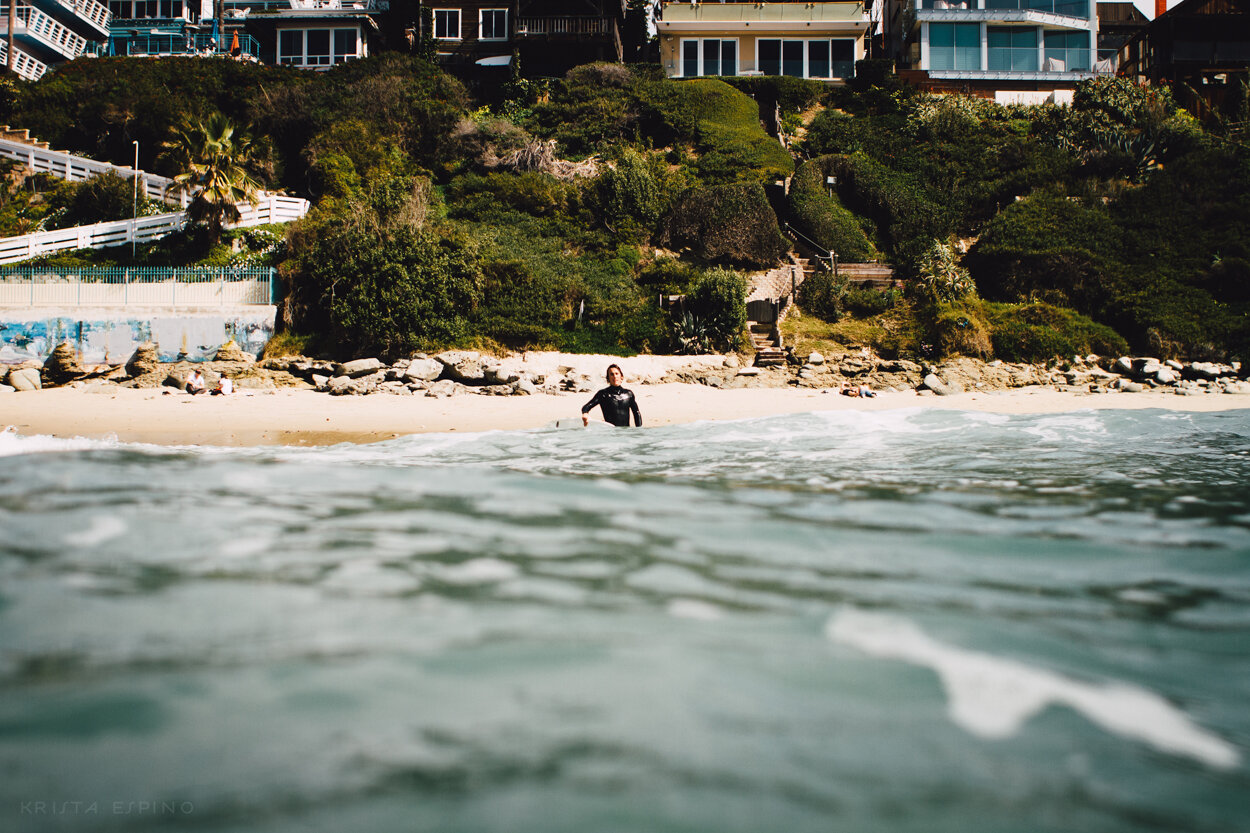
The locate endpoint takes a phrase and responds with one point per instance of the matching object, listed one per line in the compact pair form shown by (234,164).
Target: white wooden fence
(77,168)
(270,209)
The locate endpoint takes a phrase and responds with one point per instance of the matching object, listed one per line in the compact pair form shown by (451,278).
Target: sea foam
(993,698)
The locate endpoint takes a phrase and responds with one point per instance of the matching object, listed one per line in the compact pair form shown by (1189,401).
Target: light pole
(134,209)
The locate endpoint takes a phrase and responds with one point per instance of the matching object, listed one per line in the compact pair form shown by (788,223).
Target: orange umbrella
(234,44)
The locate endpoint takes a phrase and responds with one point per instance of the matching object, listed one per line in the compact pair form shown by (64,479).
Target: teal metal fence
(148,286)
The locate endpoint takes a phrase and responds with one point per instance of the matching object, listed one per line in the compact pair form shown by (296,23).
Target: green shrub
(479,197)
(718,300)
(822,294)
(792,95)
(668,276)
(1039,332)
(865,303)
(729,224)
(822,217)
(629,194)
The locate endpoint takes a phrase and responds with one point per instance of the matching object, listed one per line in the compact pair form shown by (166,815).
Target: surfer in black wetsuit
(615,401)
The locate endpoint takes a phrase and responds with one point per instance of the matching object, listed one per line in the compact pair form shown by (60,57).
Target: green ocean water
(889,621)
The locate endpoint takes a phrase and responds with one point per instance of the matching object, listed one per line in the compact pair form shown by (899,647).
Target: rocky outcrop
(146,359)
(63,365)
(231,352)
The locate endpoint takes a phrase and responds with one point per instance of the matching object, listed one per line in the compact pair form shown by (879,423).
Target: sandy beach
(305,417)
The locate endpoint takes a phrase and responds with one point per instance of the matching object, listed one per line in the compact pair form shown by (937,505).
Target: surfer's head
(615,375)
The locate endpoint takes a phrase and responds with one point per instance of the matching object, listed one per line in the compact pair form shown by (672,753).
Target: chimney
(1161,6)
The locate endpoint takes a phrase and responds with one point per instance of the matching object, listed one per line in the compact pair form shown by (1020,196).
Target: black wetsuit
(616,403)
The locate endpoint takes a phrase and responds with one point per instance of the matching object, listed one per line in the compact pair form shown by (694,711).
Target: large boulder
(146,359)
(933,383)
(63,365)
(358,368)
(25,378)
(463,366)
(423,370)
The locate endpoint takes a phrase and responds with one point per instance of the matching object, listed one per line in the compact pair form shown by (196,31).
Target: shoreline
(302,417)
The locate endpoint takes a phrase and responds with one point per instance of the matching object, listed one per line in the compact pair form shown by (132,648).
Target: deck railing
(270,209)
(116,286)
(565,25)
(77,168)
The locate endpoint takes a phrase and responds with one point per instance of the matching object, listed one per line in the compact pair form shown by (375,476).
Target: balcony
(564,26)
(43,37)
(688,17)
(24,65)
(159,45)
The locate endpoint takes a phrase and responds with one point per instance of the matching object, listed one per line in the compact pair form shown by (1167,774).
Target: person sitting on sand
(195,383)
(856,390)
(614,401)
(225,387)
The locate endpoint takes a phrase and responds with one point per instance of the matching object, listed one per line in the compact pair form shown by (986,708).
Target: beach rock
(348,386)
(7,389)
(25,378)
(231,352)
(933,383)
(145,360)
(1174,364)
(464,366)
(1132,387)
(899,366)
(1166,376)
(1146,367)
(442,389)
(748,371)
(732,362)
(496,375)
(359,367)
(524,387)
(423,370)
(63,364)
(815,358)
(1204,370)
(1238,388)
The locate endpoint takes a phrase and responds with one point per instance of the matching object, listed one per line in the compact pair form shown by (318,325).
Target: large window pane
(447,24)
(318,47)
(729,57)
(792,58)
(711,57)
(770,57)
(842,58)
(291,46)
(494,24)
(818,59)
(690,58)
(1012,48)
(344,45)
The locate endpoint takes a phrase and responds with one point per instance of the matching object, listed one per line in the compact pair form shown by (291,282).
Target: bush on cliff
(823,218)
(727,224)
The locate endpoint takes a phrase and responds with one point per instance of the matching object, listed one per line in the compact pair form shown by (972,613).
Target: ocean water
(891,621)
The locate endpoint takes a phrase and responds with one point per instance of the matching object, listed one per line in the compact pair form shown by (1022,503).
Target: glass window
(954,46)
(792,58)
(494,24)
(317,47)
(344,45)
(842,58)
(818,59)
(711,57)
(770,57)
(1067,51)
(729,57)
(447,24)
(1012,48)
(690,58)
(291,46)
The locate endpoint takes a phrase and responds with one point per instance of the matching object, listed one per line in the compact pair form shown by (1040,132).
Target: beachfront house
(1026,51)
(548,37)
(39,35)
(1200,47)
(803,40)
(310,34)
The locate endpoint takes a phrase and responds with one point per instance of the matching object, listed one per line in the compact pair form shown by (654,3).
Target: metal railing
(77,168)
(159,286)
(829,259)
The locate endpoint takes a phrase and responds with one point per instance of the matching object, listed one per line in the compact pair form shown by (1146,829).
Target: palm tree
(216,158)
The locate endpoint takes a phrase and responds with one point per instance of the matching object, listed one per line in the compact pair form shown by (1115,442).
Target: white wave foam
(13,443)
(478,571)
(103,528)
(695,609)
(992,697)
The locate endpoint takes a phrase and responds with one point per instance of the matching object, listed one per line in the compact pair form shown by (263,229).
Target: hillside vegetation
(567,212)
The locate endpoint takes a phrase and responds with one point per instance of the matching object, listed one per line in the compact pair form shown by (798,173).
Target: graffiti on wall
(112,340)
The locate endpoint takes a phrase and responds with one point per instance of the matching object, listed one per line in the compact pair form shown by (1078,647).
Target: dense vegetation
(567,213)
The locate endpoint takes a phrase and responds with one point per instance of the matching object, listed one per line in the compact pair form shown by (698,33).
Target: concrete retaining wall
(111,336)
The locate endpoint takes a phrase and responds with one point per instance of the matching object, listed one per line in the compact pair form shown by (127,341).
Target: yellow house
(805,40)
